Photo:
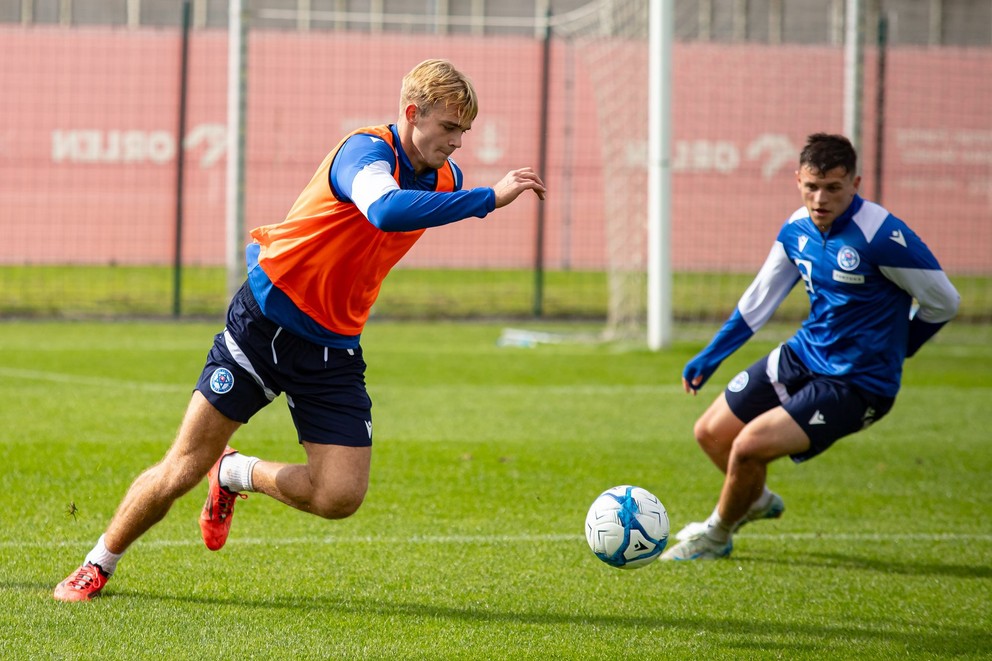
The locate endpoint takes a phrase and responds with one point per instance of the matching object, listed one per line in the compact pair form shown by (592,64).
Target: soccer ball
(627,527)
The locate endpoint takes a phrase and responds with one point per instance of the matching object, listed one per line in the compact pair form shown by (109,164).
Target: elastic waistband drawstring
(275,358)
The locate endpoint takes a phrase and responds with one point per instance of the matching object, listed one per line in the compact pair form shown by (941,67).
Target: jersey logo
(375,139)
(817,419)
(848,258)
(802,242)
(898,237)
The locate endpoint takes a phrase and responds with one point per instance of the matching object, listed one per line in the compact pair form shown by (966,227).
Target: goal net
(610,39)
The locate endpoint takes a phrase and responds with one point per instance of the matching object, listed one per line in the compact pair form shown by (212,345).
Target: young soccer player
(295,325)
(862,267)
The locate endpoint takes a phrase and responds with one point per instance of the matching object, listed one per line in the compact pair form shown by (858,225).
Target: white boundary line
(578,389)
(98,381)
(121,384)
(503,539)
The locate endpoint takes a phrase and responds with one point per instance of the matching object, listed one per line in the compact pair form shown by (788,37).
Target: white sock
(761,502)
(717,529)
(235,472)
(715,523)
(101,556)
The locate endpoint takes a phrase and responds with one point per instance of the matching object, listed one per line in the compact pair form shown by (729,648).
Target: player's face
(436,135)
(827,195)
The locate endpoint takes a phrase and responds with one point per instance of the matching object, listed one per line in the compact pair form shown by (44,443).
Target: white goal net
(610,39)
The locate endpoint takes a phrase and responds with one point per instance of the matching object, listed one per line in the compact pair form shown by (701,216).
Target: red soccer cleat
(215,519)
(82,584)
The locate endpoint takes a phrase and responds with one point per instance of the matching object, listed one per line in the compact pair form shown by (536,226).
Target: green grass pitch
(470,543)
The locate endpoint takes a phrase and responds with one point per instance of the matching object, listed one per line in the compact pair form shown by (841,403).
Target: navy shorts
(253,360)
(827,408)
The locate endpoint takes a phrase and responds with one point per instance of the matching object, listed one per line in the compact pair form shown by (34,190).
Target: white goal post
(659,295)
(237,77)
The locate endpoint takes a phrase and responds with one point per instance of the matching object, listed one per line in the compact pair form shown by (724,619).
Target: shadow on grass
(746,634)
(880,565)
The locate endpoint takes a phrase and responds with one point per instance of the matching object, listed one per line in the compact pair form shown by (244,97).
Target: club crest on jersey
(221,381)
(738,383)
(848,258)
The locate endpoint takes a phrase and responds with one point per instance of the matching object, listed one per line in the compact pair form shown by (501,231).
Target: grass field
(470,543)
(408,294)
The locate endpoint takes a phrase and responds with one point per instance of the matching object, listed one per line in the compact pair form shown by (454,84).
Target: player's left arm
(907,261)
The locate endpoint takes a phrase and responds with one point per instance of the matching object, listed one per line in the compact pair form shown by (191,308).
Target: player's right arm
(777,277)
(516,182)
(363,174)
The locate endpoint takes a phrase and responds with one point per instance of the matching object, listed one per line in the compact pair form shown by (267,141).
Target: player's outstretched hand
(516,182)
(692,386)
(697,371)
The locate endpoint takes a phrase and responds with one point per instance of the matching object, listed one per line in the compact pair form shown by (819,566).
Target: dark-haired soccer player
(862,268)
(295,325)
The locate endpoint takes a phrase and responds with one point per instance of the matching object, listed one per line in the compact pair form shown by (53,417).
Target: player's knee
(752,450)
(337,504)
(702,432)
(707,436)
(741,454)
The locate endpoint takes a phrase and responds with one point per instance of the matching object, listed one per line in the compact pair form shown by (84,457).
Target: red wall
(88,121)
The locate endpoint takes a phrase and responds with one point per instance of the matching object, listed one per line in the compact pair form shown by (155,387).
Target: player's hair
(434,81)
(824,152)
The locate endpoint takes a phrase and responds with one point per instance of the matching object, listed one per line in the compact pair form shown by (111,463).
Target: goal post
(237,76)
(659,212)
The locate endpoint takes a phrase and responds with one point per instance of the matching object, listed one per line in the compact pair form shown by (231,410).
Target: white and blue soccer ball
(627,527)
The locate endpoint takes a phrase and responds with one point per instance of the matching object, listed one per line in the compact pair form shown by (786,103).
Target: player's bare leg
(771,435)
(744,495)
(332,484)
(716,430)
(202,437)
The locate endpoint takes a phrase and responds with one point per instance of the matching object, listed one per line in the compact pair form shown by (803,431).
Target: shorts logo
(738,383)
(848,258)
(221,381)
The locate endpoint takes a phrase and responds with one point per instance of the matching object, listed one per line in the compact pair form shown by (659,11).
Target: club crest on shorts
(738,383)
(221,381)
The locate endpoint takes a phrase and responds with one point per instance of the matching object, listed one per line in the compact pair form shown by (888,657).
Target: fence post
(883,39)
(542,161)
(177,272)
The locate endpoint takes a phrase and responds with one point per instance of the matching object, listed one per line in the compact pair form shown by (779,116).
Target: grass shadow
(731,631)
(880,565)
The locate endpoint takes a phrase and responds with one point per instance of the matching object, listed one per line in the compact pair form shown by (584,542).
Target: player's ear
(857,182)
(411,112)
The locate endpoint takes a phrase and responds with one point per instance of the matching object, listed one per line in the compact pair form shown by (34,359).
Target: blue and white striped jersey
(862,277)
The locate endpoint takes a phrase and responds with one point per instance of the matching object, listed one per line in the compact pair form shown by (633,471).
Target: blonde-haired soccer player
(295,325)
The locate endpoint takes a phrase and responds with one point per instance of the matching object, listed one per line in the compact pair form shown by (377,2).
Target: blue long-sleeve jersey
(861,277)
